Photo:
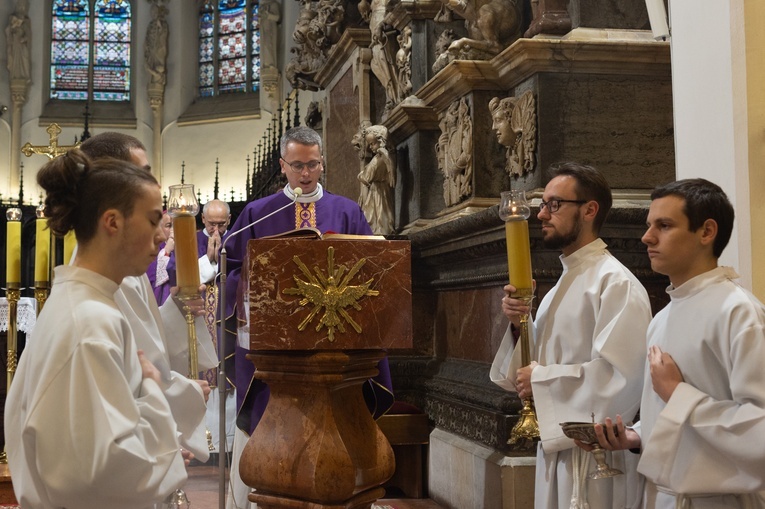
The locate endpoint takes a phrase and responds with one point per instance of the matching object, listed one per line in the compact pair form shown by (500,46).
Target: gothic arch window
(90,50)
(229,47)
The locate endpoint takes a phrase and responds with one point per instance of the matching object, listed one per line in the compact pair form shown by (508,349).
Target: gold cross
(53,150)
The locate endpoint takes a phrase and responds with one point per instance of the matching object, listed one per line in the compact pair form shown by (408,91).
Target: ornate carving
(443,57)
(384,55)
(18,37)
(515,120)
(318,28)
(313,115)
(404,62)
(155,47)
(492,25)
(454,151)
(332,293)
(377,177)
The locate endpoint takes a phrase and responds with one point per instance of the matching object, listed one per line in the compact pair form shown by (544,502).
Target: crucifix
(53,149)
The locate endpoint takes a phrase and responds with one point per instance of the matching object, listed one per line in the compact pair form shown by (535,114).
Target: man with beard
(588,340)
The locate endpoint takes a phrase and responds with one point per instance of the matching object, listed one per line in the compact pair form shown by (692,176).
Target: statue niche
(515,121)
(454,151)
(491,25)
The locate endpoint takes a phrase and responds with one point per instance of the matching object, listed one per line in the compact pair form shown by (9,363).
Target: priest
(302,163)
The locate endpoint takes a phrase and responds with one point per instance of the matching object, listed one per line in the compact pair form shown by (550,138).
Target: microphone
(221,350)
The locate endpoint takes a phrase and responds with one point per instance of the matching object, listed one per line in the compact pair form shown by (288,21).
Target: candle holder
(514,210)
(183,206)
(42,259)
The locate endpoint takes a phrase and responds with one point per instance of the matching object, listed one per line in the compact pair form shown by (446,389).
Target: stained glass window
(229,47)
(85,35)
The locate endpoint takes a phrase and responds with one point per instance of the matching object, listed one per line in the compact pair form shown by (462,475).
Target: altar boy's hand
(665,375)
(197,305)
(622,438)
(513,308)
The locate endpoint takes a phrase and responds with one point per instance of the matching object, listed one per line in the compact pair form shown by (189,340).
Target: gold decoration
(53,149)
(332,292)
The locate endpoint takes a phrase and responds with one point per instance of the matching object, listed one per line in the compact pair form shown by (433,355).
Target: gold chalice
(585,432)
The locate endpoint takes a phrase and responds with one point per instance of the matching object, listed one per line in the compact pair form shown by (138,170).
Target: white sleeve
(207,269)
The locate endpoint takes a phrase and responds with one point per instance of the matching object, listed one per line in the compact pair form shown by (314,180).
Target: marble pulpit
(323,313)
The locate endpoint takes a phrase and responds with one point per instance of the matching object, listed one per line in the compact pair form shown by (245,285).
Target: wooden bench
(406,428)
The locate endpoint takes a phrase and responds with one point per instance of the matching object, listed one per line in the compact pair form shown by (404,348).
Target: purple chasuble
(162,291)
(330,213)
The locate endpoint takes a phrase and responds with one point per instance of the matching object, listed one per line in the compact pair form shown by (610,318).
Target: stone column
(19,90)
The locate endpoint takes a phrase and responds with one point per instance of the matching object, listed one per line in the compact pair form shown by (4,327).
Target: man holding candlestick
(302,163)
(162,331)
(588,340)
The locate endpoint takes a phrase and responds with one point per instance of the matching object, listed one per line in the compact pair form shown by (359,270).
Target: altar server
(161,332)
(703,405)
(86,422)
(588,340)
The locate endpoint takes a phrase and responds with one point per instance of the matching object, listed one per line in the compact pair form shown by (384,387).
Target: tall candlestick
(69,242)
(42,248)
(13,248)
(515,211)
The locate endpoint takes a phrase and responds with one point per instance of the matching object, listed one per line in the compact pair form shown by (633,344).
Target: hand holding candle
(13,248)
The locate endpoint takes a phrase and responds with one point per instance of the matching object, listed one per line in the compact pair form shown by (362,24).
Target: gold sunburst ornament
(331,292)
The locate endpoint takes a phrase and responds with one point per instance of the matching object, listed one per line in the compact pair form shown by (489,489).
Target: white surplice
(589,341)
(83,428)
(163,336)
(709,438)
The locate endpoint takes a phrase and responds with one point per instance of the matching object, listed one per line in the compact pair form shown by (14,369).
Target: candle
(183,207)
(69,242)
(186,264)
(42,247)
(518,253)
(13,247)
(515,210)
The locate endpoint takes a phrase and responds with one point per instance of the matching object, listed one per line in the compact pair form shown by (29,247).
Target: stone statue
(404,61)
(313,116)
(270,15)
(454,151)
(155,48)
(378,178)
(491,26)
(443,57)
(18,37)
(383,55)
(515,121)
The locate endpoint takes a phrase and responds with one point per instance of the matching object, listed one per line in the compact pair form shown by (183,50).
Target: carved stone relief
(454,151)
(384,53)
(491,25)
(515,121)
(319,26)
(404,62)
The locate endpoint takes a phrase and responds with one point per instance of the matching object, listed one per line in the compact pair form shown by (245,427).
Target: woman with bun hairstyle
(86,423)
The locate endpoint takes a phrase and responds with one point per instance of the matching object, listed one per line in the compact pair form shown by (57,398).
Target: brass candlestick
(515,211)
(13,294)
(41,290)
